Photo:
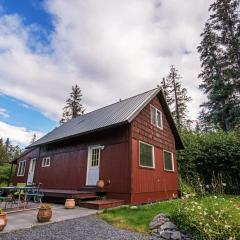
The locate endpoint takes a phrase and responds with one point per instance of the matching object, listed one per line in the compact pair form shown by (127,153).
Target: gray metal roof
(115,114)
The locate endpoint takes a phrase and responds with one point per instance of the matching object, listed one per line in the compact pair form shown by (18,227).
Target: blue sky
(111,49)
(17,112)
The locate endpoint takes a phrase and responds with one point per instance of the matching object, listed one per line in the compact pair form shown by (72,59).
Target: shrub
(5,170)
(213,157)
(210,217)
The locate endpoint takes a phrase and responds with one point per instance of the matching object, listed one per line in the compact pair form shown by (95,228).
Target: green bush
(212,217)
(214,157)
(5,170)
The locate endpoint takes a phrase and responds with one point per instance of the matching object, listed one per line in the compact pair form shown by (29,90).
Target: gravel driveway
(85,228)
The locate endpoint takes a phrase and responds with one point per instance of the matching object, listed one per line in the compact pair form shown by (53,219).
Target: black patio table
(5,191)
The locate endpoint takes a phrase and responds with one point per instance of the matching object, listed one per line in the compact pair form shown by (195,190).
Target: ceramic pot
(100,184)
(3,221)
(69,203)
(44,215)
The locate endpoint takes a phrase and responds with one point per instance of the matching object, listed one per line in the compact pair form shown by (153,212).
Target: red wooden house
(131,145)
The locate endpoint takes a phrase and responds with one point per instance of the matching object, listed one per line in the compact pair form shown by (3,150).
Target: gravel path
(85,228)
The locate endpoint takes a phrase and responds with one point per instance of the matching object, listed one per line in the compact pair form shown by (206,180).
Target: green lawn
(137,218)
(209,217)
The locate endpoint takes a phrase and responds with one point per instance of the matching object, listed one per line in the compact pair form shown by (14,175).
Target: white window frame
(139,155)
(168,170)
(156,121)
(44,160)
(21,172)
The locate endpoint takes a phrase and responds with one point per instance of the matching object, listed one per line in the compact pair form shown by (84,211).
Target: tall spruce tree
(166,87)
(73,106)
(220,61)
(176,97)
(34,137)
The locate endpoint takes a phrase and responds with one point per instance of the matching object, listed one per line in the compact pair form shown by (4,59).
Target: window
(95,157)
(146,155)
(46,162)
(156,117)
(168,161)
(21,168)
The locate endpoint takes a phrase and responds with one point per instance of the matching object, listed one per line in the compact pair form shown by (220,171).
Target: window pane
(19,168)
(24,165)
(159,119)
(146,158)
(168,163)
(95,157)
(153,116)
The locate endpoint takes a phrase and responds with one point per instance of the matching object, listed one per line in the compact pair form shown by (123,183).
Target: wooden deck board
(61,193)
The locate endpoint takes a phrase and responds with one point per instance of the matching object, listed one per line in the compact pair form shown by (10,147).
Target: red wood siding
(68,165)
(27,157)
(152,184)
(66,171)
(115,166)
(143,130)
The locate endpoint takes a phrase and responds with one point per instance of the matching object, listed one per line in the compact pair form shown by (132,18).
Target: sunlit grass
(137,218)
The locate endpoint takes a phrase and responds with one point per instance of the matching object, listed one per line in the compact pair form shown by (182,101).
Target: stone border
(164,229)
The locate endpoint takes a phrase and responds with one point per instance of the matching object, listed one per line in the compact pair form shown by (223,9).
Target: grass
(137,218)
(222,214)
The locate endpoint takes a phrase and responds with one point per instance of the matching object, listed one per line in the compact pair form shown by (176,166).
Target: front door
(93,165)
(31,170)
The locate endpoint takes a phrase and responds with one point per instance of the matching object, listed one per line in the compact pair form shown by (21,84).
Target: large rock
(164,229)
(166,234)
(176,235)
(156,223)
(161,215)
(168,226)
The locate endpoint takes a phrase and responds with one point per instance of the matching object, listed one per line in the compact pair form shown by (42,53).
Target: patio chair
(7,199)
(20,193)
(35,194)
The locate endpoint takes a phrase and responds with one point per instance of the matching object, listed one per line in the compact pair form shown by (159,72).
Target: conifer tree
(220,60)
(73,106)
(33,138)
(166,87)
(176,97)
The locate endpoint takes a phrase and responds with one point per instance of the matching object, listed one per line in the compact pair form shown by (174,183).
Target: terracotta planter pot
(44,215)
(69,203)
(3,221)
(100,184)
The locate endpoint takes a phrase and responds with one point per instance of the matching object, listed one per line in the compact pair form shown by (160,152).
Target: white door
(93,165)
(31,171)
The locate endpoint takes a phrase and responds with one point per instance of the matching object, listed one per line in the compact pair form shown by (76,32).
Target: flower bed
(210,217)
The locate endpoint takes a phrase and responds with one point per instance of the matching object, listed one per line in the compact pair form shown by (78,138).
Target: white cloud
(3,112)
(112,49)
(17,135)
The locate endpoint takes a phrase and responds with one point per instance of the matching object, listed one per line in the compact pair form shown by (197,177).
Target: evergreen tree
(166,87)
(33,138)
(177,97)
(73,106)
(220,60)
(8,152)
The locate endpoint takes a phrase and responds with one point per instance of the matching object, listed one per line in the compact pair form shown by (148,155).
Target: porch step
(101,204)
